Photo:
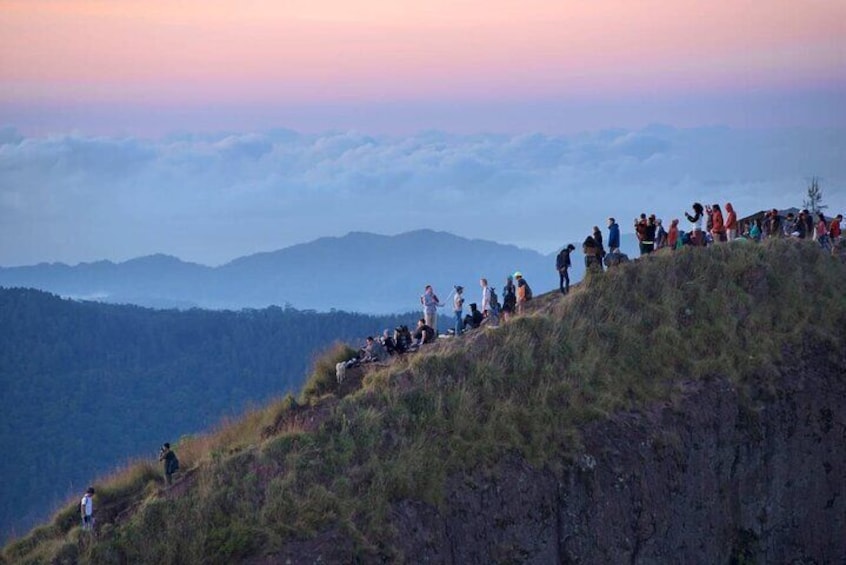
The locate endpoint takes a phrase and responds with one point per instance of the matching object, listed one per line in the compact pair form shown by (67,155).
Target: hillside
(685,408)
(359,272)
(85,386)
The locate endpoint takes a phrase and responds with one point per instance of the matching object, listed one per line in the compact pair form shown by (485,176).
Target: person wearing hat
(458,309)
(524,292)
(86,510)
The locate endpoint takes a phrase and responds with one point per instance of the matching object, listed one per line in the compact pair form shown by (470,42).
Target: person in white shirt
(486,297)
(86,509)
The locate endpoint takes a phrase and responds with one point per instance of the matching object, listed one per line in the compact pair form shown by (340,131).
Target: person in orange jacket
(718,226)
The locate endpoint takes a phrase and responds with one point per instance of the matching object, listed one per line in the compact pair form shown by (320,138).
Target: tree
(813,203)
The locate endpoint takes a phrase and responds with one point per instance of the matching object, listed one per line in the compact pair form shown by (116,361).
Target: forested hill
(84,386)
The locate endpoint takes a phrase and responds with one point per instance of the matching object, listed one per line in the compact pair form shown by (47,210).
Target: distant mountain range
(359,272)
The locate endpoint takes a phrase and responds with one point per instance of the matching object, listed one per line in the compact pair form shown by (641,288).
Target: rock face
(716,477)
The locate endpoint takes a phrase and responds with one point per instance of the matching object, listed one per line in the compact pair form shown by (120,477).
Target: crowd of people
(706,225)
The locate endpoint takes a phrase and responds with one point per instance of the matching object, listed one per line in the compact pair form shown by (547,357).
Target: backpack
(494,300)
(175,464)
(528,292)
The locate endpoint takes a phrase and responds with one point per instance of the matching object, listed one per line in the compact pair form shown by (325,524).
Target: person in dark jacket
(563,263)
(600,249)
(424,333)
(474,319)
(170,462)
(509,299)
(613,236)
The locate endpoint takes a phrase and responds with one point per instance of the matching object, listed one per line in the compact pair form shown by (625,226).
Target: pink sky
(187,53)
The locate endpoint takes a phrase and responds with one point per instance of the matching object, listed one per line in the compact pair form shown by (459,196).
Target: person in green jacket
(171,463)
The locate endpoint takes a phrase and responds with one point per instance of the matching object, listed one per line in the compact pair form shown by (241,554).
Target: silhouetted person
(563,264)
(169,462)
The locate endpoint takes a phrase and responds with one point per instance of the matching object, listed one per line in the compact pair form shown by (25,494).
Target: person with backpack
(524,292)
(458,309)
(430,303)
(509,298)
(562,265)
(86,510)
(170,462)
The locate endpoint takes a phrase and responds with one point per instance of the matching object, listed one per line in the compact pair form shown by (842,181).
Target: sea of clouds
(211,198)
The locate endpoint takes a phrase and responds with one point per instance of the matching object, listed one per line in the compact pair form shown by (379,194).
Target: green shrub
(322,379)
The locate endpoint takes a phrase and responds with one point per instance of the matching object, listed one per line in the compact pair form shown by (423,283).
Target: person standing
(673,234)
(509,298)
(718,226)
(696,224)
(170,463)
(613,236)
(524,292)
(458,309)
(486,297)
(563,263)
(600,249)
(86,510)
(430,303)
(731,222)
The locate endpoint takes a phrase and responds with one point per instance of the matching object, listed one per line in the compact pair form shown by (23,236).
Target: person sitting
(474,318)
(424,333)
(388,343)
(402,339)
(373,352)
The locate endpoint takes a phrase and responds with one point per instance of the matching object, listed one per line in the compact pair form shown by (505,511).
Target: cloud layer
(212,198)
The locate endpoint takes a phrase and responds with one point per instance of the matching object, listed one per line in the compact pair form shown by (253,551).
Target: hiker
(821,233)
(648,243)
(402,339)
(697,236)
(373,352)
(524,292)
(563,264)
(474,319)
(834,233)
(793,226)
(458,308)
(640,231)
(600,249)
(170,462)
(673,234)
(86,510)
(808,219)
(755,232)
(430,303)
(718,226)
(388,343)
(731,222)
(774,221)
(509,298)
(660,235)
(589,249)
(424,333)
(492,315)
(613,236)
(486,297)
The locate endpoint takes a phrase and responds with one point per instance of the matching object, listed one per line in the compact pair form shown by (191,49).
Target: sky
(210,130)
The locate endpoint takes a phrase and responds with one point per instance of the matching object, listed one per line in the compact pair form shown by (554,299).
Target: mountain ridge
(685,407)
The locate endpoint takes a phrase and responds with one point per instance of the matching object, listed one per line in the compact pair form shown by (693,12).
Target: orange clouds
(187,50)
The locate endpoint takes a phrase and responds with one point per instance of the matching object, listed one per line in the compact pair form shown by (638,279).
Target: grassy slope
(621,341)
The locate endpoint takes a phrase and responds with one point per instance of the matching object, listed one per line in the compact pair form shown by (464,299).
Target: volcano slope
(688,407)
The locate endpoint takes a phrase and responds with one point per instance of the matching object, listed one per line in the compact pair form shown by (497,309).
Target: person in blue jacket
(613,236)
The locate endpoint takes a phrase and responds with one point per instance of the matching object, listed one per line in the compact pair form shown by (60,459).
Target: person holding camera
(170,462)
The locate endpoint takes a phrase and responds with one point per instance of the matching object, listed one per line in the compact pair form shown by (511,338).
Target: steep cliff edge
(689,408)
(714,479)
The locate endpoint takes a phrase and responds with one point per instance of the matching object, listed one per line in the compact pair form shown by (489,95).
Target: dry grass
(621,341)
